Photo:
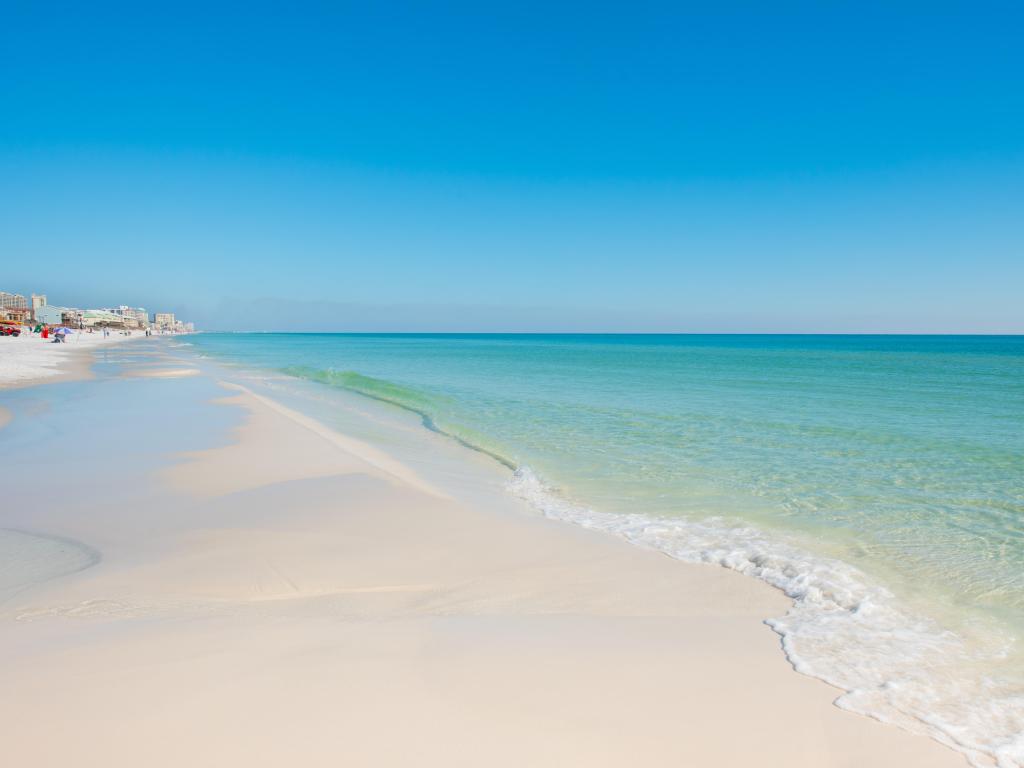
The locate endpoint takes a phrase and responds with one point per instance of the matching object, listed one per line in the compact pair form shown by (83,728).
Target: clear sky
(531,166)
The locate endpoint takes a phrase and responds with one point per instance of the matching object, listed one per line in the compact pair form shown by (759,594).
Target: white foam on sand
(844,629)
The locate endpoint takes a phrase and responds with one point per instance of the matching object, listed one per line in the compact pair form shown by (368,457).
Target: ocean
(878,480)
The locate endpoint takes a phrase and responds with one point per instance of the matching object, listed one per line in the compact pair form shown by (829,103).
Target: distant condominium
(164,321)
(131,317)
(12,301)
(15,308)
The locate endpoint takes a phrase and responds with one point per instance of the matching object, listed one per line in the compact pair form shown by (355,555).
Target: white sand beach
(251,587)
(28,359)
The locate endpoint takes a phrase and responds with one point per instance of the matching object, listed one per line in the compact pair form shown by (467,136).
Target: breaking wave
(842,628)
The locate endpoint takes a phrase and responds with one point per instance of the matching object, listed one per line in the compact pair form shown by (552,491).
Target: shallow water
(27,559)
(878,480)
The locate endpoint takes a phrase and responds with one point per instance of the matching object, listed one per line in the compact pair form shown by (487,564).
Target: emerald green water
(864,475)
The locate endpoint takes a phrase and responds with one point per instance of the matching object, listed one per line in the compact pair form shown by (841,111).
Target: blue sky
(725,167)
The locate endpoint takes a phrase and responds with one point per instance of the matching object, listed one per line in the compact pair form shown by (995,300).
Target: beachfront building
(102,318)
(50,314)
(13,308)
(72,318)
(12,301)
(131,317)
(15,314)
(164,321)
(16,308)
(38,302)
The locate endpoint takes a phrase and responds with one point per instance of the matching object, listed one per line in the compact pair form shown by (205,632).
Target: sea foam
(843,628)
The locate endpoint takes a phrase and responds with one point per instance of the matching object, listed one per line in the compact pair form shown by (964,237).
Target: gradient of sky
(814,167)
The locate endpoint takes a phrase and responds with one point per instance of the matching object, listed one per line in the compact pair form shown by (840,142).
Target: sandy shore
(29,359)
(253,588)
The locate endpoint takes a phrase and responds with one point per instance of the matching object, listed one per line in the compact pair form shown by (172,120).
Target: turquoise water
(863,474)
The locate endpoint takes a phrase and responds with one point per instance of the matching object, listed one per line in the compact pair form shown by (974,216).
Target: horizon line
(618,333)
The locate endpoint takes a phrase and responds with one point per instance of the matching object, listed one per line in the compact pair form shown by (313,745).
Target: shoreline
(76,367)
(32,361)
(560,644)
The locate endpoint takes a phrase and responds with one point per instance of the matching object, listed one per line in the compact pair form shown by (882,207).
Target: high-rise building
(12,301)
(164,321)
(38,301)
(134,317)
